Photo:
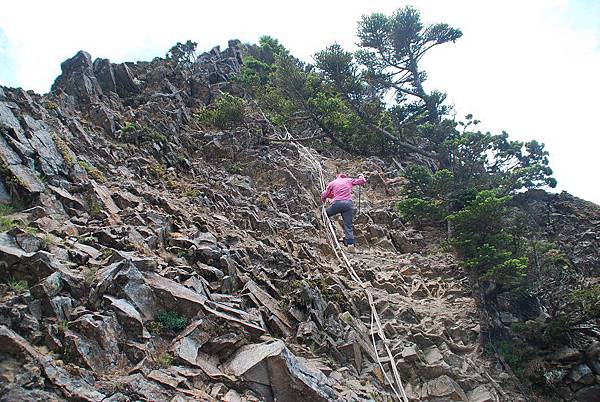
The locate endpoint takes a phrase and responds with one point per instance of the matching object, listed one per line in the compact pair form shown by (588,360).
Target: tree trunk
(434,117)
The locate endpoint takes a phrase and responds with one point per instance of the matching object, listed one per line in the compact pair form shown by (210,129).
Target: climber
(340,190)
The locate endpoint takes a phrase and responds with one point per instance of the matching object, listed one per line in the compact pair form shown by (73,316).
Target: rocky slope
(127,217)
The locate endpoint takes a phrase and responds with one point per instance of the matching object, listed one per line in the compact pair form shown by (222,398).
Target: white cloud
(521,66)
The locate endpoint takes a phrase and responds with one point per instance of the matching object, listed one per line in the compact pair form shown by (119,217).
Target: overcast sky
(530,67)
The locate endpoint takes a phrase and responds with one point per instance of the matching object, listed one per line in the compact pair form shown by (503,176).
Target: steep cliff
(144,256)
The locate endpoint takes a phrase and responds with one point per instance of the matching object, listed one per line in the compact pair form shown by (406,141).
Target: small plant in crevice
(95,207)
(129,127)
(171,320)
(93,172)
(192,192)
(157,170)
(64,150)
(50,105)
(89,275)
(62,326)
(154,327)
(165,360)
(18,285)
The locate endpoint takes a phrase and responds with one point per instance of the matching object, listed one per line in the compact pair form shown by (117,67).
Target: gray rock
(129,318)
(74,388)
(78,79)
(588,394)
(271,370)
(445,387)
(482,394)
(92,340)
(5,197)
(582,373)
(566,355)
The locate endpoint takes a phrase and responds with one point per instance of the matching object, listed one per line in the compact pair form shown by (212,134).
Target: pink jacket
(341,188)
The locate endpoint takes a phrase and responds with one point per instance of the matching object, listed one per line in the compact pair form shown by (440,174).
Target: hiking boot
(351,249)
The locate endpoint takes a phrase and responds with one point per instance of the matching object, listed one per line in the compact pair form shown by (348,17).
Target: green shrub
(18,285)
(64,150)
(7,224)
(482,241)
(154,327)
(228,111)
(511,356)
(92,171)
(129,127)
(50,105)
(419,211)
(171,320)
(165,360)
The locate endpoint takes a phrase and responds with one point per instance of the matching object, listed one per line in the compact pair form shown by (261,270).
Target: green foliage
(587,300)
(7,224)
(95,207)
(129,127)
(391,48)
(512,356)
(18,285)
(6,209)
(482,160)
(50,105)
(171,320)
(165,360)
(183,56)
(64,151)
(419,211)
(192,192)
(89,275)
(157,169)
(155,327)
(92,171)
(63,326)
(228,111)
(482,241)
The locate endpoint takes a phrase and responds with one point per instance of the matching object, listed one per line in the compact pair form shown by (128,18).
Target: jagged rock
(92,341)
(103,117)
(588,394)
(442,389)
(271,370)
(582,373)
(482,394)
(73,388)
(432,355)
(10,254)
(136,384)
(208,272)
(409,353)
(105,198)
(129,318)
(5,197)
(78,79)
(566,355)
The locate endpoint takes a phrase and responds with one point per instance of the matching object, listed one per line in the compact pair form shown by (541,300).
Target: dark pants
(343,207)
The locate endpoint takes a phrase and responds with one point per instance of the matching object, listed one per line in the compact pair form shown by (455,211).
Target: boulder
(444,388)
(272,371)
(482,394)
(129,318)
(588,394)
(78,79)
(73,387)
(582,373)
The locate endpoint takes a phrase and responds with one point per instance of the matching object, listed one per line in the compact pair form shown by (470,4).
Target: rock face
(147,257)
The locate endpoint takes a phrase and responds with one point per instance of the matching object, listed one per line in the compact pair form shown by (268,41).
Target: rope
(343,259)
